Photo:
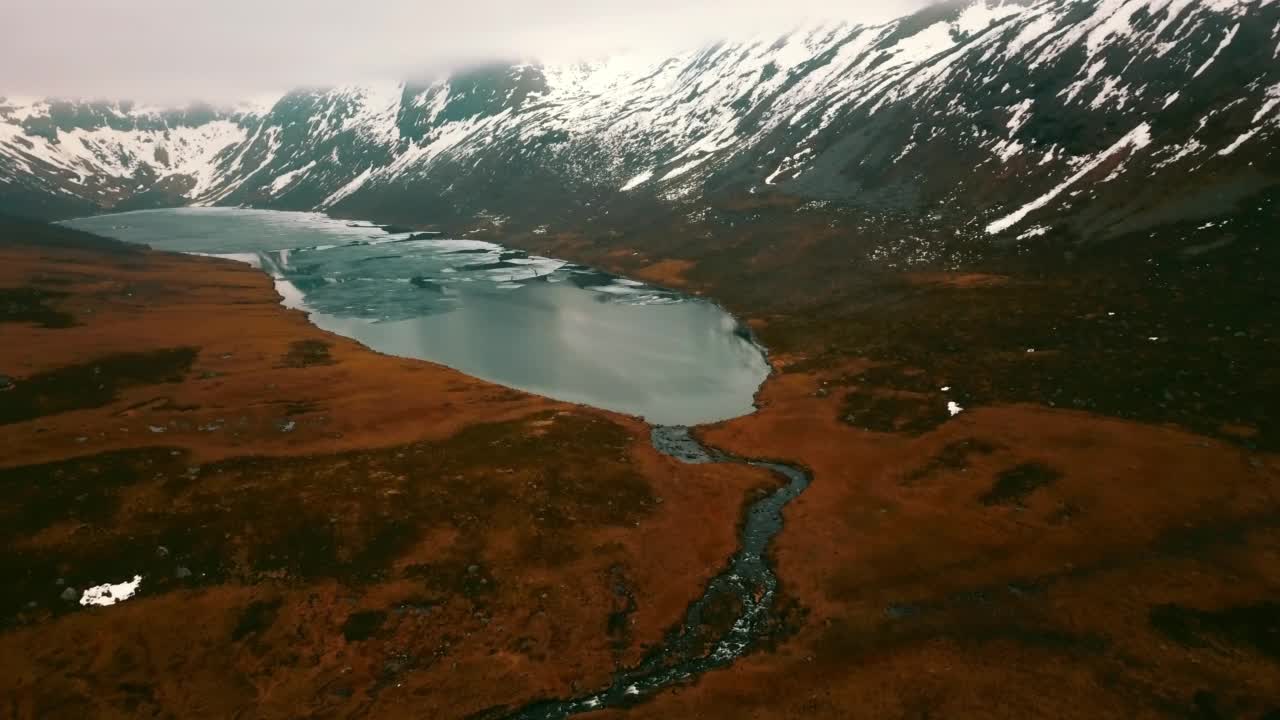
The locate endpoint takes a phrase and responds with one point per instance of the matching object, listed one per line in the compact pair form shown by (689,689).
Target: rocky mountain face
(970,123)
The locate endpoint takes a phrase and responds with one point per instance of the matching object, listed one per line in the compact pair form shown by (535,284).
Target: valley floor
(323,531)
(320,530)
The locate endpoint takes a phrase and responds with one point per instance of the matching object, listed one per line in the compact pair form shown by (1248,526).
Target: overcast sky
(174,51)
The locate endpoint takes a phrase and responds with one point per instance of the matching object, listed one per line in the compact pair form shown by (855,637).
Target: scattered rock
(162,552)
(6,383)
(70,595)
(182,573)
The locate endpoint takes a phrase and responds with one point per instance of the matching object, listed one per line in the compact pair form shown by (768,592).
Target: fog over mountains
(988,121)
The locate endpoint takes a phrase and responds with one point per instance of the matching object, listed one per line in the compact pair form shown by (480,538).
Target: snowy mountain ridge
(997,116)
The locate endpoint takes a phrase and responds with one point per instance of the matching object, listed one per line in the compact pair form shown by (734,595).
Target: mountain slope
(986,119)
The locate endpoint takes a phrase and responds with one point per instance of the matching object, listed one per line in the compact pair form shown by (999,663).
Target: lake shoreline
(431,517)
(536,324)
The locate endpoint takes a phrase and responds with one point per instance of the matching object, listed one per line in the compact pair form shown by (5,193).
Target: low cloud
(174,52)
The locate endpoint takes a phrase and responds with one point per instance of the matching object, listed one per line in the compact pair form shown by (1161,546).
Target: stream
(747,584)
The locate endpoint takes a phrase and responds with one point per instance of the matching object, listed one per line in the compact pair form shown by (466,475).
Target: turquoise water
(532,323)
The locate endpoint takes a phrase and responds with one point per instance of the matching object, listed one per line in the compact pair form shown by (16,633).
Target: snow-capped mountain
(1000,118)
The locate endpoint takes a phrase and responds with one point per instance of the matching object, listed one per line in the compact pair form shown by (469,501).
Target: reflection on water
(533,323)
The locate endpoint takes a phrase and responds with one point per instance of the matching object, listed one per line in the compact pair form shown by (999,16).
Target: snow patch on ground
(1231,35)
(1021,113)
(1270,103)
(287,179)
(638,180)
(348,189)
(1135,140)
(110,594)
